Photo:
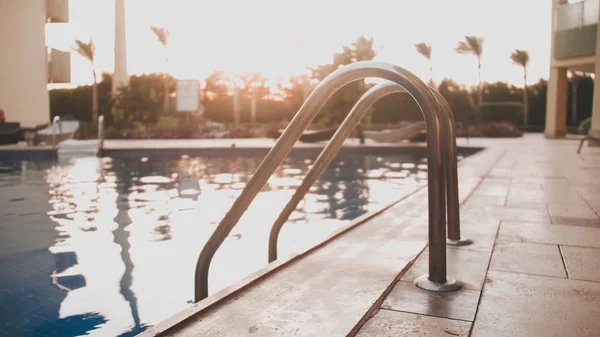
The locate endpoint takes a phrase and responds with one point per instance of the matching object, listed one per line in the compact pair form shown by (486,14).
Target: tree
(425,50)
(292,90)
(87,51)
(338,106)
(521,58)
(459,99)
(162,34)
(473,45)
(216,85)
(254,82)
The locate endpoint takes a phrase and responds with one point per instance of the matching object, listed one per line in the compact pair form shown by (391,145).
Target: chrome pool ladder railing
(55,121)
(356,114)
(101,135)
(438,128)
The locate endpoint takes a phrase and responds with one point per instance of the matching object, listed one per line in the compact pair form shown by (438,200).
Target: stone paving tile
(407,297)
(482,233)
(582,177)
(524,186)
(561,220)
(571,211)
(589,192)
(467,266)
(543,181)
(528,258)
(582,263)
(531,306)
(528,198)
(550,234)
(499,172)
(537,214)
(484,199)
(493,187)
(392,323)
(595,205)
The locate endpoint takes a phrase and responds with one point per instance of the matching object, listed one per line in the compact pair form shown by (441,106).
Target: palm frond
(520,57)
(471,45)
(162,34)
(424,49)
(86,50)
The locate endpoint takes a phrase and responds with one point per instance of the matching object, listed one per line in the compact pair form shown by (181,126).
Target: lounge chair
(10,133)
(396,135)
(588,138)
(62,130)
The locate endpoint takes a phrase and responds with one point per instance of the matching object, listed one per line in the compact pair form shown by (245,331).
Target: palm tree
(521,58)
(162,34)
(87,51)
(473,45)
(425,50)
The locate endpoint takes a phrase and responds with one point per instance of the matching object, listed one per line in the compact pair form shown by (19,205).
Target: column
(556,97)
(556,103)
(24,62)
(595,130)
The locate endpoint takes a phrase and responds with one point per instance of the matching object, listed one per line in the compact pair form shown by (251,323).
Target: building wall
(23,62)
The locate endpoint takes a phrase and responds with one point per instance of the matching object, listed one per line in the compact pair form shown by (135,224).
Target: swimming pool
(108,246)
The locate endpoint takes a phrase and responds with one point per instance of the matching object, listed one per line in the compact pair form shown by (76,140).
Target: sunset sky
(263,35)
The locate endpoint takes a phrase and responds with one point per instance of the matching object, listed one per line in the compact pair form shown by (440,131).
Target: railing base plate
(451,284)
(459,242)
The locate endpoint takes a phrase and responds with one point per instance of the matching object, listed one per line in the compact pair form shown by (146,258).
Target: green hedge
(511,112)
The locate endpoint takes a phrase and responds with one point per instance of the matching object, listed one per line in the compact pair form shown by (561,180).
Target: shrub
(501,129)
(511,112)
(533,128)
(572,130)
(585,126)
(167,122)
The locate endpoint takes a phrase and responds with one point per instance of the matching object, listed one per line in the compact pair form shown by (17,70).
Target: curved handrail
(359,110)
(336,142)
(451,167)
(342,76)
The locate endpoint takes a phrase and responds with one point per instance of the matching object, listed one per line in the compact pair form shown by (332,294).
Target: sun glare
(279,38)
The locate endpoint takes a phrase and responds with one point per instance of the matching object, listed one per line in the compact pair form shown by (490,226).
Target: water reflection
(127,232)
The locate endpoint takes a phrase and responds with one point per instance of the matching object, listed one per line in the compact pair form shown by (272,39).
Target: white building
(26,65)
(575,46)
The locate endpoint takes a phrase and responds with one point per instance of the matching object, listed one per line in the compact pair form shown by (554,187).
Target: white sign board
(187,95)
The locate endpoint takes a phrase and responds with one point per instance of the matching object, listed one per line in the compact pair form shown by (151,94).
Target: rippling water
(108,246)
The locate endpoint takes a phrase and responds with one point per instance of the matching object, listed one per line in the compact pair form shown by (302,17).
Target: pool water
(107,247)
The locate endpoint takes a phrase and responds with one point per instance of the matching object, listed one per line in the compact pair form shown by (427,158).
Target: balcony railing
(59,66)
(576,15)
(575,29)
(57,11)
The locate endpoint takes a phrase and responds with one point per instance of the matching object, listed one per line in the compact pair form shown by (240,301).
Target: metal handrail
(436,279)
(55,121)
(356,114)
(451,168)
(100,132)
(326,156)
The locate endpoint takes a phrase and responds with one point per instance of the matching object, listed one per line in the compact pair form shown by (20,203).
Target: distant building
(26,65)
(575,46)
(120,76)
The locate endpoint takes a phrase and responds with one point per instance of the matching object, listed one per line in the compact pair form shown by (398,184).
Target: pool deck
(531,207)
